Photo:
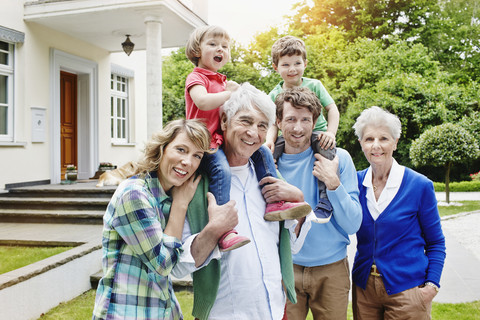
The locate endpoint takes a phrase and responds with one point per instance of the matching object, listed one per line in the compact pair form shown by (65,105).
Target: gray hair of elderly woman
(247,97)
(196,131)
(377,117)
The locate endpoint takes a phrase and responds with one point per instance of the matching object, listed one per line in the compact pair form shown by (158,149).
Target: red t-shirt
(214,82)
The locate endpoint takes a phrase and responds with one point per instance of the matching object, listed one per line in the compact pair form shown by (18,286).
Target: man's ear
(274,66)
(223,121)
(279,121)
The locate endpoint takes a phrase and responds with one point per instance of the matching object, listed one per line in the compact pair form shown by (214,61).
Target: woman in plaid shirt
(143,226)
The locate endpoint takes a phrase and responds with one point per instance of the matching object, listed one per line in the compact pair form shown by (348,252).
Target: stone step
(83,190)
(54,203)
(52,216)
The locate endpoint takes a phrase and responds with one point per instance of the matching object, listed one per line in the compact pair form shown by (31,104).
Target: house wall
(31,161)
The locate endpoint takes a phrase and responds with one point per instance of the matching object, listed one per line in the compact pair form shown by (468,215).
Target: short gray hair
(247,97)
(378,117)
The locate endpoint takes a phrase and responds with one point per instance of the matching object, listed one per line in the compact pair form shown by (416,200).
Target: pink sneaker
(282,210)
(233,243)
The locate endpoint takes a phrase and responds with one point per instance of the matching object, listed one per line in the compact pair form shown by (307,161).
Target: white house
(68,92)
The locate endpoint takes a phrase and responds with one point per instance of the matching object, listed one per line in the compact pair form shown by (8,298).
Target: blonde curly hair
(196,131)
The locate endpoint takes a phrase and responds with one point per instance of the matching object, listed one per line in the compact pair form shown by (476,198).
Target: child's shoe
(282,210)
(233,242)
(323,211)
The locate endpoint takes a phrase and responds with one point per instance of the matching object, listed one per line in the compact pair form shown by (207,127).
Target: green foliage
(443,144)
(176,68)
(462,186)
(404,56)
(366,18)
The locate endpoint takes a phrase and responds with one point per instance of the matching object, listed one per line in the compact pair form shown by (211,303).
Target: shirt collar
(210,73)
(394,178)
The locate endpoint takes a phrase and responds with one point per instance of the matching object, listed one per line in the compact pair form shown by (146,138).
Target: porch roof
(105,23)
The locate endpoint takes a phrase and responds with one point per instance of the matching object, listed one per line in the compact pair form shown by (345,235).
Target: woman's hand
(181,195)
(184,194)
(428,293)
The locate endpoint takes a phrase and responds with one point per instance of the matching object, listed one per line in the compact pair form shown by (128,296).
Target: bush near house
(463,186)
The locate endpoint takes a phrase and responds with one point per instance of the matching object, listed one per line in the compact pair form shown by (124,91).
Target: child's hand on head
(231,86)
(327,140)
(270,145)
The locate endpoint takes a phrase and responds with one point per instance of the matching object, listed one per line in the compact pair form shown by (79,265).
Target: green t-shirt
(317,87)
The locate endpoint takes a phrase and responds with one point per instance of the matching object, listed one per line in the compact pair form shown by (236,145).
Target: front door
(68,120)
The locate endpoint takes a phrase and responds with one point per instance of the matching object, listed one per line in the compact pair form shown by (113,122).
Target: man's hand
(275,190)
(221,218)
(326,170)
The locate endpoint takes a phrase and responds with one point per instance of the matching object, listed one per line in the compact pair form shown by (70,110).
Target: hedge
(463,186)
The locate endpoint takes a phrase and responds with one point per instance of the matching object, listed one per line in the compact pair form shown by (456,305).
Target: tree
(444,145)
(371,19)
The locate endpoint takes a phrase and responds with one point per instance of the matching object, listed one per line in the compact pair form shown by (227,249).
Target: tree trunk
(448,165)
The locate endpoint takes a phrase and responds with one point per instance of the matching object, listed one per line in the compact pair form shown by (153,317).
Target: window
(119,108)
(6,91)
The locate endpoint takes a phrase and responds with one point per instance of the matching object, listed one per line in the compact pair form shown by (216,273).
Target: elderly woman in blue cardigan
(400,244)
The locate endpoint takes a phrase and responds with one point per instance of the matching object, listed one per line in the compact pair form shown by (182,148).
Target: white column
(154,74)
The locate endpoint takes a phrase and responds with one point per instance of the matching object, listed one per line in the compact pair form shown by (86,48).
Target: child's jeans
(218,170)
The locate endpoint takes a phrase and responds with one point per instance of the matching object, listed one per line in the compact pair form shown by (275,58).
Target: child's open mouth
(218,58)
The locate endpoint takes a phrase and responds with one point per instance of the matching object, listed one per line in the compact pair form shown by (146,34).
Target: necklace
(374,188)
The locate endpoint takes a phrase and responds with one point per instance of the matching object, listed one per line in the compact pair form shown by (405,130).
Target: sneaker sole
(321,220)
(290,214)
(235,246)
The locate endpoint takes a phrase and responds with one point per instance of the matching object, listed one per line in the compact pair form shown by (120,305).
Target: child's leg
(264,164)
(220,177)
(277,211)
(324,209)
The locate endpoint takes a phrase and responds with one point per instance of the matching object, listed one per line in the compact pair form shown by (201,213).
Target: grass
(81,308)
(466,206)
(14,257)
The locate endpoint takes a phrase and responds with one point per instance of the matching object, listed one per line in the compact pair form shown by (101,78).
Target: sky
(243,19)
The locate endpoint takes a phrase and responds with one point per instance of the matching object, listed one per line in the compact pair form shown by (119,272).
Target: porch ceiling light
(128,45)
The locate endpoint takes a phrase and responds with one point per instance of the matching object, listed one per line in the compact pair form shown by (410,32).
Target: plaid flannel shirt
(137,256)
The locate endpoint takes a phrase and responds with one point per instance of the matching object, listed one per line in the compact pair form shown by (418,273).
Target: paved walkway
(460,280)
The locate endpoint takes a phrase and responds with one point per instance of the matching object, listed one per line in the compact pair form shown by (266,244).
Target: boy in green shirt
(289,57)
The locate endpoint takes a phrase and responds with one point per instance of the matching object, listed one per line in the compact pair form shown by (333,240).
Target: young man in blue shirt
(321,271)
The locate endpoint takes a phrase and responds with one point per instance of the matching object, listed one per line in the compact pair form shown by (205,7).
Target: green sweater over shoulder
(206,280)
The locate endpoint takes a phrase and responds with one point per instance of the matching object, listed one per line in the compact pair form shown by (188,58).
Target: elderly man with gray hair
(246,283)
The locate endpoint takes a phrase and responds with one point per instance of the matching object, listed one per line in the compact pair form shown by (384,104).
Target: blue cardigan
(406,241)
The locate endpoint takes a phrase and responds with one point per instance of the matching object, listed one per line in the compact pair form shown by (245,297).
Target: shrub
(463,186)
(475,176)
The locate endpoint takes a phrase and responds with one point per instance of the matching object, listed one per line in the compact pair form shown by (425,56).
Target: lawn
(14,257)
(467,206)
(81,308)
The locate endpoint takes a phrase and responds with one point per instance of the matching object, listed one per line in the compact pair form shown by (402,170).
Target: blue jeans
(218,171)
